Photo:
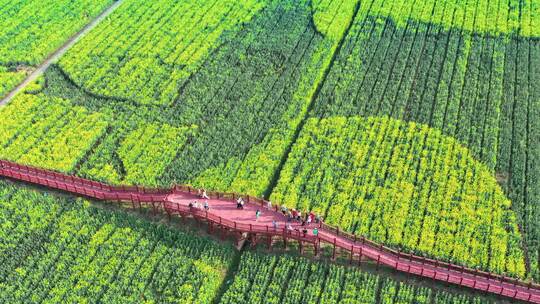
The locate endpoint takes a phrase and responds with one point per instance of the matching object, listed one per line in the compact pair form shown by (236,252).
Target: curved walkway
(224,214)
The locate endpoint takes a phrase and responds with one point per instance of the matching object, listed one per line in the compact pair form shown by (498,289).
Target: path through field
(59,52)
(224,215)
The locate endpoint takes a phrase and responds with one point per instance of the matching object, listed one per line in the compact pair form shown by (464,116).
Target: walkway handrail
(408,262)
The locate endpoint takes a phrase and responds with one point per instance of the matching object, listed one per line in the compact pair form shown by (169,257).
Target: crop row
(263,278)
(480,16)
(9,79)
(405,185)
(146,50)
(56,250)
(58,137)
(32,29)
(479,88)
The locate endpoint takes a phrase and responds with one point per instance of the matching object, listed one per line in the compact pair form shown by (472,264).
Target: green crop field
(285,279)
(30,30)
(413,123)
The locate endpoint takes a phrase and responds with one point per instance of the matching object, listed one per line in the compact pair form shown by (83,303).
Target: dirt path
(59,52)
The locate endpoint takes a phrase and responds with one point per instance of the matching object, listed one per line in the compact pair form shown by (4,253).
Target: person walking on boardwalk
(239,203)
(299,215)
(308,221)
(294,213)
(289,228)
(206,207)
(315,231)
(269,205)
(284,210)
(204,195)
(257,214)
(289,216)
(275,224)
(312,216)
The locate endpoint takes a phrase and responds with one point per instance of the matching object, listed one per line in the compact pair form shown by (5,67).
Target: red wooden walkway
(224,215)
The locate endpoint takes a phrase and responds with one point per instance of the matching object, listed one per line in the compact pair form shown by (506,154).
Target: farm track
(53,57)
(224,215)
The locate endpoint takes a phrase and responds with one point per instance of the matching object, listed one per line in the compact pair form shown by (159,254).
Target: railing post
(334,250)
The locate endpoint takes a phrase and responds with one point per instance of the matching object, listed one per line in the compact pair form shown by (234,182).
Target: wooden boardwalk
(223,217)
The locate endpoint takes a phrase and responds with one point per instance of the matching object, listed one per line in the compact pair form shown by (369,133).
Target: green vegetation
(411,122)
(479,16)
(9,79)
(146,50)
(32,29)
(482,90)
(59,137)
(56,250)
(264,278)
(364,175)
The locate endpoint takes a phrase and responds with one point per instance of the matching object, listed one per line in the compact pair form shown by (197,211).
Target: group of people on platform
(291,215)
(290,228)
(296,215)
(196,204)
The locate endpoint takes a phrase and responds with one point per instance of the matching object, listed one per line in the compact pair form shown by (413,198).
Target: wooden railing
(354,245)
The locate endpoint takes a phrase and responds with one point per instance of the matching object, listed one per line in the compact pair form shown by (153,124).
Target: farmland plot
(479,87)
(146,50)
(364,175)
(31,29)
(218,103)
(286,279)
(57,250)
(278,57)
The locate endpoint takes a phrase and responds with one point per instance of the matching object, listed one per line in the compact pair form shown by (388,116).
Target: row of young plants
(263,278)
(9,79)
(144,51)
(481,16)
(47,132)
(518,157)
(405,185)
(32,29)
(64,250)
(479,88)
